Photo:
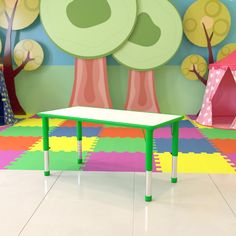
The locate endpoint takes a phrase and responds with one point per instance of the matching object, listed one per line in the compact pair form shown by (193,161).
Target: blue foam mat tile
(71,131)
(185,124)
(186,146)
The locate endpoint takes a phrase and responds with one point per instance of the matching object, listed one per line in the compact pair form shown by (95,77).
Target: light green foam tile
(120,145)
(15,131)
(116,126)
(219,133)
(58,161)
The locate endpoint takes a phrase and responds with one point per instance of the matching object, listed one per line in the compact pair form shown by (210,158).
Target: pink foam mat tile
(116,162)
(6,157)
(35,116)
(192,117)
(232,158)
(3,127)
(184,133)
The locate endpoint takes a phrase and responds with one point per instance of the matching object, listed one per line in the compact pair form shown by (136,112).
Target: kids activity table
(143,120)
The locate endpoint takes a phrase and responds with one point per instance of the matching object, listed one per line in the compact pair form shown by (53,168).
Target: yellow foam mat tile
(200,126)
(197,163)
(157,161)
(185,118)
(66,144)
(36,122)
(23,116)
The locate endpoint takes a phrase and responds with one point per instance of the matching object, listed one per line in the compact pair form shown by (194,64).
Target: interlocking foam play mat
(111,148)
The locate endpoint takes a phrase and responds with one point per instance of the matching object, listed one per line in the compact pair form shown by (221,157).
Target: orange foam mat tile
(113,132)
(17,143)
(226,146)
(72,123)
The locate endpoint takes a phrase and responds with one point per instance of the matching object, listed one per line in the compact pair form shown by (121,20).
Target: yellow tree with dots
(206,24)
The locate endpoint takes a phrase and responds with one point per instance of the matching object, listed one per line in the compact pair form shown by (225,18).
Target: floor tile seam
(40,203)
(222,195)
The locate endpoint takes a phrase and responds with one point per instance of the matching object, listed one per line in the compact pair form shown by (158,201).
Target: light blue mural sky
(55,56)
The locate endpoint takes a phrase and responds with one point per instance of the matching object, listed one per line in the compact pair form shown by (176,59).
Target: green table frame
(149,144)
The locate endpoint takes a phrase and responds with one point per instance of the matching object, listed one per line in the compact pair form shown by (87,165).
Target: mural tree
(206,24)
(16,15)
(89,30)
(155,39)
(226,50)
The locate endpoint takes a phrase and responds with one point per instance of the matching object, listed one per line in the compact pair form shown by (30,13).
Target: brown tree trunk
(91,84)
(16,107)
(141,92)
(209,46)
(8,70)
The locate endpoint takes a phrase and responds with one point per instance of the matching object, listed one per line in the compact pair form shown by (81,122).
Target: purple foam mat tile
(192,117)
(3,127)
(116,162)
(6,157)
(184,133)
(232,158)
(35,116)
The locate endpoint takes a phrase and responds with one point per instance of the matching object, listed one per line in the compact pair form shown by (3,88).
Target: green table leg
(149,153)
(46,145)
(175,144)
(79,140)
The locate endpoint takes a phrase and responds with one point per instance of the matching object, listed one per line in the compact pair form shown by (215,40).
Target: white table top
(135,118)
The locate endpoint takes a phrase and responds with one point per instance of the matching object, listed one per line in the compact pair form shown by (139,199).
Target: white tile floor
(98,203)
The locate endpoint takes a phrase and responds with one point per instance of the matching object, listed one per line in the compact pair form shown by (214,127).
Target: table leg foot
(148,198)
(173,180)
(46,173)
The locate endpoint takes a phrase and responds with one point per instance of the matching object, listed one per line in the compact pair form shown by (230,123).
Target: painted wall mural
(57,63)
(90,33)
(155,39)
(17,15)
(89,30)
(206,24)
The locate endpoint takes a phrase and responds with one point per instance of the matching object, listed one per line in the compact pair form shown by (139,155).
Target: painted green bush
(99,11)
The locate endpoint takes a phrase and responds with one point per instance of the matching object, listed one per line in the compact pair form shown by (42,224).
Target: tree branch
(211,36)
(7,57)
(208,39)
(7,16)
(194,70)
(24,63)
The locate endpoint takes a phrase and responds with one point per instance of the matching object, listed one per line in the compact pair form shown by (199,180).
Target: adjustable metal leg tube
(79,140)
(46,146)
(175,144)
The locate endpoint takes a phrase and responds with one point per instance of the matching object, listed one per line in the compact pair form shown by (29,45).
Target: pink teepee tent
(219,104)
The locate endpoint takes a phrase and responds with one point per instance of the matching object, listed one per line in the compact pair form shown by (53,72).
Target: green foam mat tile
(120,145)
(115,126)
(218,133)
(58,161)
(15,131)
